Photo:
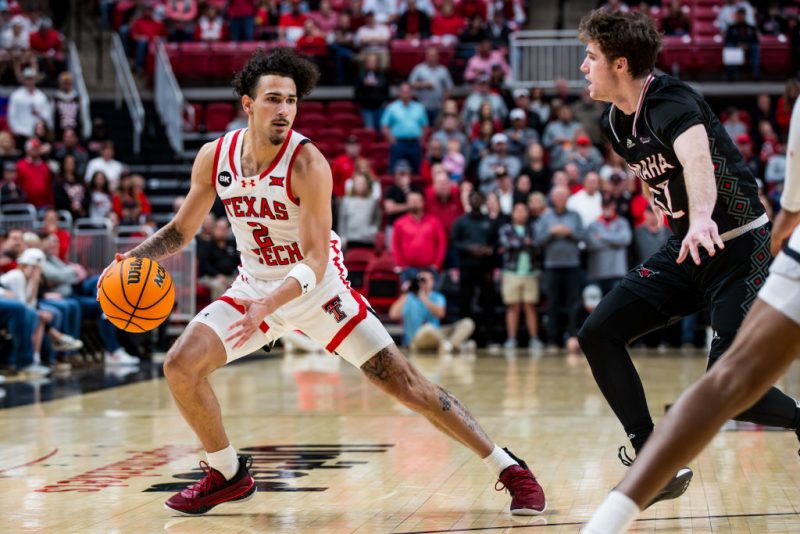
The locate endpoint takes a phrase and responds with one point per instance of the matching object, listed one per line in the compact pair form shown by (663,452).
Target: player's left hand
(702,233)
(255,313)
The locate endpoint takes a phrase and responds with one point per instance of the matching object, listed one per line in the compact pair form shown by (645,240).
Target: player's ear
(247,104)
(621,65)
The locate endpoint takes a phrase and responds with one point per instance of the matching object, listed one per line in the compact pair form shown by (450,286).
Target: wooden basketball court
(332,454)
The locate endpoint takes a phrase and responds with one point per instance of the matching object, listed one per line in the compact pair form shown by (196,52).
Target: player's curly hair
(632,35)
(281,61)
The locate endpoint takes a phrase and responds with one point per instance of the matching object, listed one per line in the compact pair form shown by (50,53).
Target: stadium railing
(14,216)
(540,57)
(74,62)
(169,99)
(126,88)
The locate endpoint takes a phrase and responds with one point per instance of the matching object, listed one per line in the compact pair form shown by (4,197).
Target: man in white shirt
(106,164)
(385,11)
(27,106)
(588,201)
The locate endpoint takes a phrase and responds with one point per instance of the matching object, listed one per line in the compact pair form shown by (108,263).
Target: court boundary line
(571,523)
(36,461)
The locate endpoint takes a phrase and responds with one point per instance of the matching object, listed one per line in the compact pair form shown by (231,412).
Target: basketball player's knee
(590,335)
(181,365)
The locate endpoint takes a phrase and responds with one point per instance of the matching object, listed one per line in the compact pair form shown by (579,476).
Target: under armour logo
(206,314)
(250,183)
(276,180)
(629,143)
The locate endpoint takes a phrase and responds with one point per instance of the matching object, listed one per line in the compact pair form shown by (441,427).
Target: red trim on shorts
(289,174)
(238,307)
(216,162)
(277,158)
(337,262)
(232,152)
(351,324)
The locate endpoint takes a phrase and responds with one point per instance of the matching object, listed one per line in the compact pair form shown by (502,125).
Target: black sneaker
(674,488)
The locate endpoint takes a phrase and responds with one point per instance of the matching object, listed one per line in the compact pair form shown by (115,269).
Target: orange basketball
(137,294)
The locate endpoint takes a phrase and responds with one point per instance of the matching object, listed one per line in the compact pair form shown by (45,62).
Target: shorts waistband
(752,225)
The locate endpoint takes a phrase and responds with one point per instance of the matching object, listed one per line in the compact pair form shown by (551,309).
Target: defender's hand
(704,234)
(255,313)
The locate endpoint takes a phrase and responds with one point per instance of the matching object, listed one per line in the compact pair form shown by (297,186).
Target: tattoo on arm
(445,400)
(165,242)
(379,368)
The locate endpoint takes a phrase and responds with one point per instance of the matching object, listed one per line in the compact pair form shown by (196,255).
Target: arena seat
(382,283)
(357,261)
(218,115)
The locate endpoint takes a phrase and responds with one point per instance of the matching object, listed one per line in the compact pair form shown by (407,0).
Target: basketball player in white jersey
(276,188)
(766,344)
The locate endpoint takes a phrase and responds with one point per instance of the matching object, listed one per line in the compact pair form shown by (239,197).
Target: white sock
(614,516)
(37,358)
(224,461)
(498,460)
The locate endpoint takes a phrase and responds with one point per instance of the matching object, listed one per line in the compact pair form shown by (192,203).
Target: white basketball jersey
(263,213)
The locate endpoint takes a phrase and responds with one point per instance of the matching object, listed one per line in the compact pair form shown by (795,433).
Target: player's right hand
(117,258)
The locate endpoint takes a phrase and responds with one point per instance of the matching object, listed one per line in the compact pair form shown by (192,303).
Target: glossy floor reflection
(332,454)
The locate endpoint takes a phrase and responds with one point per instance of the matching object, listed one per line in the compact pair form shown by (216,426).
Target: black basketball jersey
(666,109)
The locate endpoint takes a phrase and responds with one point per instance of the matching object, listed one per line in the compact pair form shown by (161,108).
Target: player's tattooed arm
(163,243)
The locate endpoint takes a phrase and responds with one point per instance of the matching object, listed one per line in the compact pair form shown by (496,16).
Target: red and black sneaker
(213,489)
(527,496)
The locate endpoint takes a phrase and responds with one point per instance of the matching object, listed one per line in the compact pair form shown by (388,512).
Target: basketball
(137,294)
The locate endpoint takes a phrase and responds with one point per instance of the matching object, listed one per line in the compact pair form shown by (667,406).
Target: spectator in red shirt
(46,40)
(344,165)
(290,25)
(312,44)
(442,199)
(130,203)
(34,176)
(242,19)
(418,239)
(447,22)
(144,30)
(325,17)
(50,227)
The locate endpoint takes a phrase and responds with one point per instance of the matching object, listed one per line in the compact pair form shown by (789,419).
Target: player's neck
(627,100)
(259,150)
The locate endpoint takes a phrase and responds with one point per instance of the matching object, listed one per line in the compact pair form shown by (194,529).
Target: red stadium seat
(365,136)
(677,54)
(347,120)
(345,106)
(218,115)
(404,56)
(357,261)
(224,57)
(708,54)
(314,106)
(775,54)
(382,283)
(192,61)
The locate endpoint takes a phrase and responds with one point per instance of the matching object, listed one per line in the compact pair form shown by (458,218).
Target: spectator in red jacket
(290,25)
(418,239)
(344,165)
(312,44)
(144,30)
(130,203)
(442,199)
(242,19)
(34,176)
(447,22)
(46,40)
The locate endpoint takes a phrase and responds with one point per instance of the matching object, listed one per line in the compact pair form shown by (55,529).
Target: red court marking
(43,458)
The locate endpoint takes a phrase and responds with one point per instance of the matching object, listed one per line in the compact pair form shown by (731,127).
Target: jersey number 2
(261,235)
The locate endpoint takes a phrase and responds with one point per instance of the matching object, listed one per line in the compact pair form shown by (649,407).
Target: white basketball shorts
(782,289)
(332,314)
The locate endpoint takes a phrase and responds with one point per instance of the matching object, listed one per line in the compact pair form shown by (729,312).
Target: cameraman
(421,308)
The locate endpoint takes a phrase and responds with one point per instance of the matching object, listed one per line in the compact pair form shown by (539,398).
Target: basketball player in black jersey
(719,253)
